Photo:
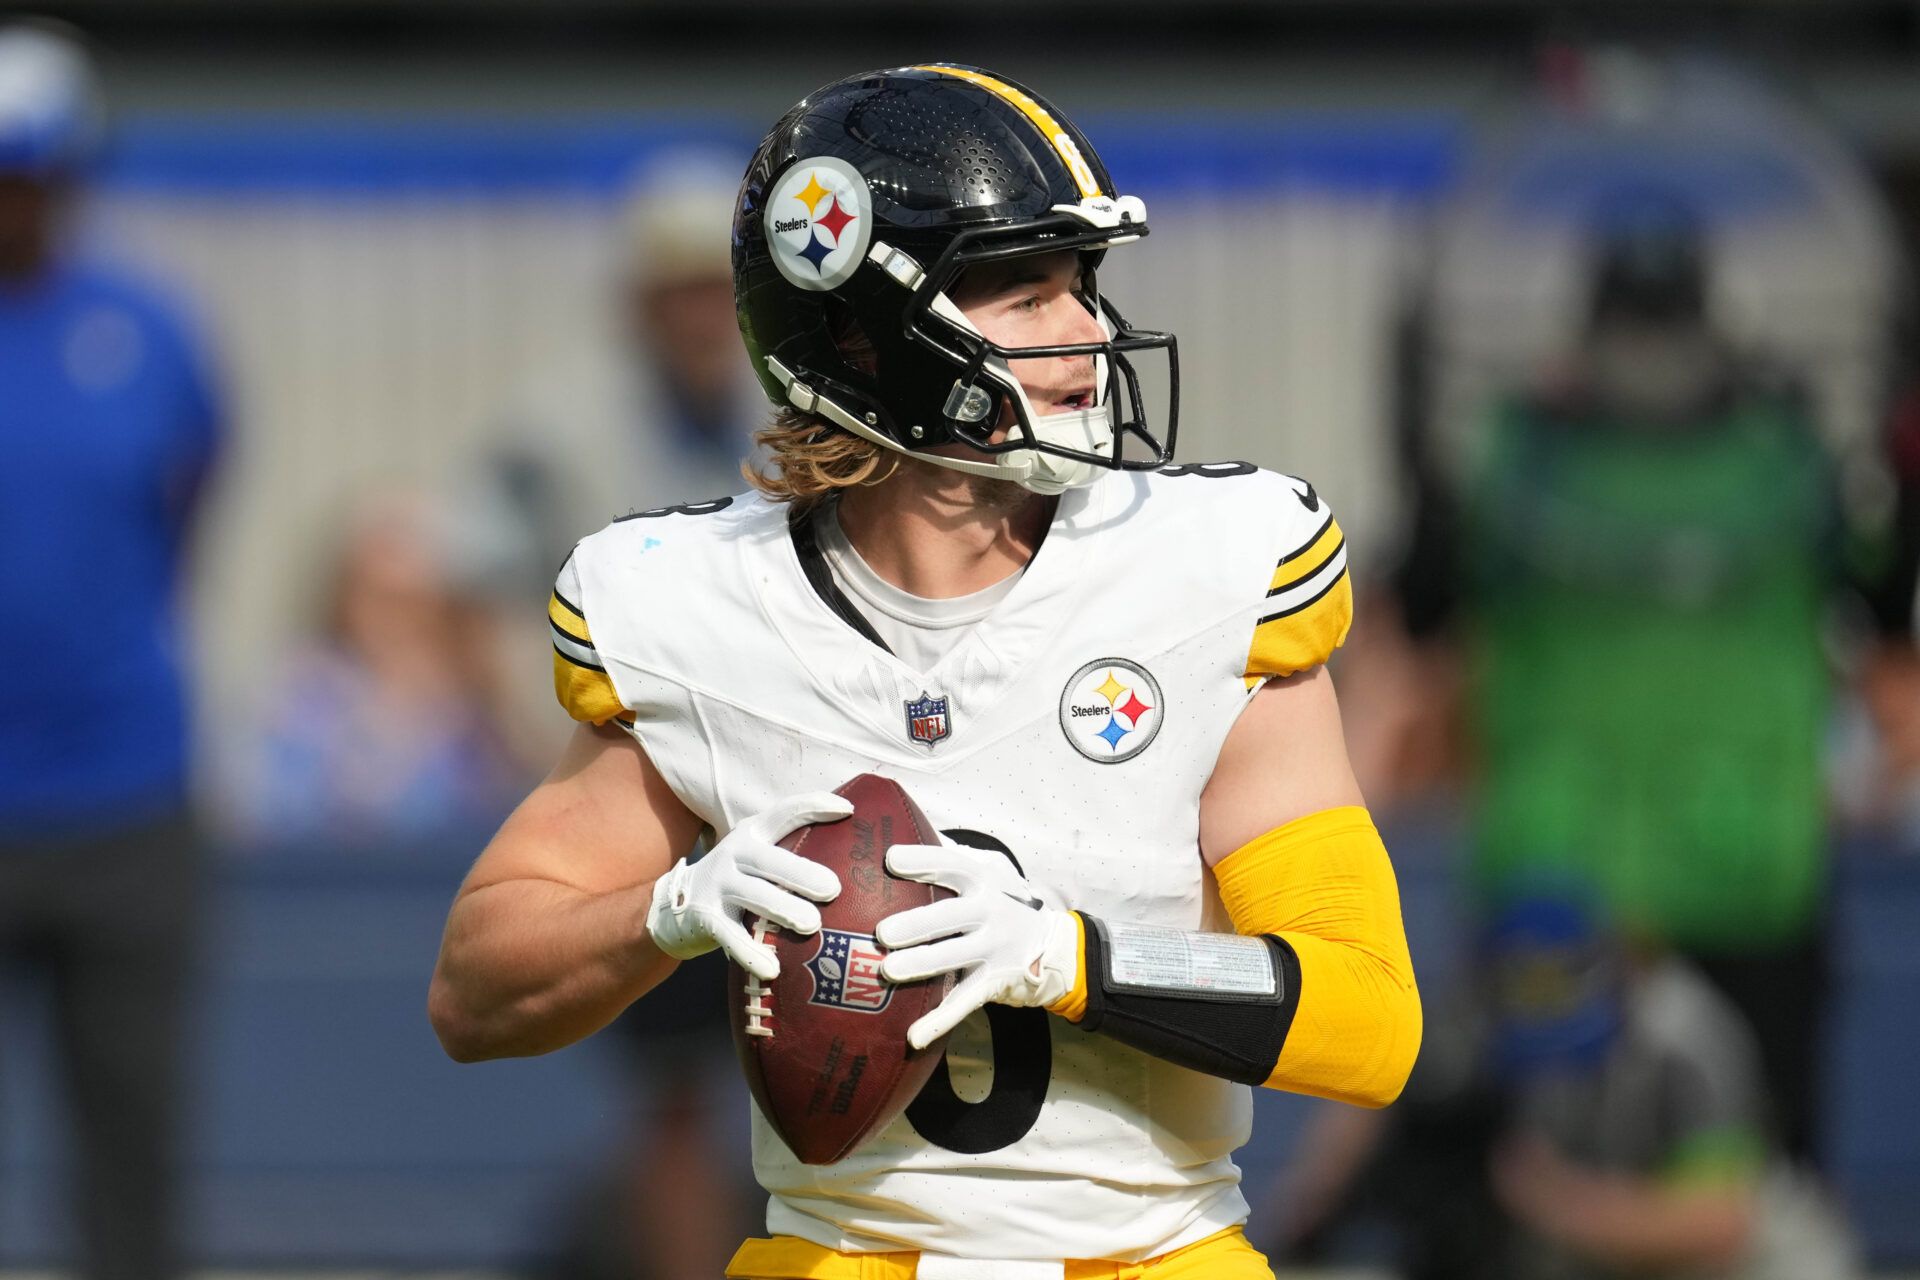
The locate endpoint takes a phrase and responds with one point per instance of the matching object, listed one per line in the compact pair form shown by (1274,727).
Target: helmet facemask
(1047,453)
(963,382)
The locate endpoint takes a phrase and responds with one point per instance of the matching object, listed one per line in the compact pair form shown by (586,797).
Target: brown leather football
(824,1045)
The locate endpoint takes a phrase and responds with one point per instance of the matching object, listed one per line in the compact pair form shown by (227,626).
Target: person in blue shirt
(108,432)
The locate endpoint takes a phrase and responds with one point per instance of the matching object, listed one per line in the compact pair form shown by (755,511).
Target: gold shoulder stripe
(568,621)
(586,692)
(1304,635)
(1301,606)
(1043,119)
(1298,566)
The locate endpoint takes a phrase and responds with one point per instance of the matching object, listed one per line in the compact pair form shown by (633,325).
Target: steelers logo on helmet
(819,222)
(1111,710)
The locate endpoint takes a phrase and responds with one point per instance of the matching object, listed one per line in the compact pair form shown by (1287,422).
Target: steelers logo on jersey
(1111,710)
(819,222)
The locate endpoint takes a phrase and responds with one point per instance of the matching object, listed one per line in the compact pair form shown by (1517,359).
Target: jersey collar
(841,653)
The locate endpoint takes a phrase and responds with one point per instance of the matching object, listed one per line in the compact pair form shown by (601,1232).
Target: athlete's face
(1036,302)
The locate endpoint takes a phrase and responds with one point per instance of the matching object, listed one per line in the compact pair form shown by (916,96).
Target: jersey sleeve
(580,679)
(1309,601)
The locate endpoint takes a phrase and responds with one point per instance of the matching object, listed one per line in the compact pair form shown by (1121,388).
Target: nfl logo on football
(927,720)
(846,973)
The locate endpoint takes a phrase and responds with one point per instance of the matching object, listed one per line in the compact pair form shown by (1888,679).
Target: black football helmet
(858,212)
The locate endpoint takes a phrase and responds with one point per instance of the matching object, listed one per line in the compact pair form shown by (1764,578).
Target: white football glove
(698,906)
(1012,939)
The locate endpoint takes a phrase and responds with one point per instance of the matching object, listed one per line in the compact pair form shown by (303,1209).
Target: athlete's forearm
(1639,1225)
(1324,1002)
(529,966)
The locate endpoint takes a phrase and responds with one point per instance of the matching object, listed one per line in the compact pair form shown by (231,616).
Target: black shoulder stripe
(569,606)
(1325,561)
(1306,604)
(590,666)
(1285,559)
(559,630)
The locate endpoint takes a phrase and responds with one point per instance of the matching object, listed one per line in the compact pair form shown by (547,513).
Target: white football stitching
(758,993)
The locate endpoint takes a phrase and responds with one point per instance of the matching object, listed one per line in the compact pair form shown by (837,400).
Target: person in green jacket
(1637,565)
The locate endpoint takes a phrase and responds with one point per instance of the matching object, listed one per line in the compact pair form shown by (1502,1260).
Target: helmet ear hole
(849,338)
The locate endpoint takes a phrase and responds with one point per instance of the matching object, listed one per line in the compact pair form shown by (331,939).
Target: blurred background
(326,328)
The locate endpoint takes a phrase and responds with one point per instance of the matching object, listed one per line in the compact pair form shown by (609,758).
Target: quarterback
(968,566)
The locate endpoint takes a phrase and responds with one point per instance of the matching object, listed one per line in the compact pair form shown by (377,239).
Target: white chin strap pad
(1089,429)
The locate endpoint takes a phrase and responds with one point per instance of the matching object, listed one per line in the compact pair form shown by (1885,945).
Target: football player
(971,569)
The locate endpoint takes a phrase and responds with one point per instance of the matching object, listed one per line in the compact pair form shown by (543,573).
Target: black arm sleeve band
(1237,1037)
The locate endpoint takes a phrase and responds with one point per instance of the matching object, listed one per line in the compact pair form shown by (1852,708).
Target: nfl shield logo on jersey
(846,973)
(927,720)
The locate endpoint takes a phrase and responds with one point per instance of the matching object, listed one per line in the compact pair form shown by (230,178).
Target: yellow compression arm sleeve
(1324,886)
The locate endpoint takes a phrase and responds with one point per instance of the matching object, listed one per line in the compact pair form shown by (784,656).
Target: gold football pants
(1225,1255)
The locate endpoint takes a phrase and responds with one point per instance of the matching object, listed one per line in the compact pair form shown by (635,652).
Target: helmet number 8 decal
(1082,171)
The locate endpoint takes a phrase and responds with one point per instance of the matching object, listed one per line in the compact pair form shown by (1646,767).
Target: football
(824,1045)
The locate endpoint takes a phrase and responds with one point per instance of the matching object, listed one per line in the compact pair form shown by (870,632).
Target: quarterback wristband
(1218,1003)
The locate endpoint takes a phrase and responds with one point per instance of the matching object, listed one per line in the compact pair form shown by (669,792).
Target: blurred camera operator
(1638,564)
(109,428)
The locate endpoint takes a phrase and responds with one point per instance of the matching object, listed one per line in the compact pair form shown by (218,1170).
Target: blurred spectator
(652,405)
(384,727)
(109,427)
(1638,566)
(657,407)
(1586,1112)
(1884,790)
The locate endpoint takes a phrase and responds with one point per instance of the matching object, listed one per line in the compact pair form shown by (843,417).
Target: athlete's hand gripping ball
(1009,938)
(698,906)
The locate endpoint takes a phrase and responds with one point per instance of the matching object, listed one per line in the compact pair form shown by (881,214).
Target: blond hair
(812,459)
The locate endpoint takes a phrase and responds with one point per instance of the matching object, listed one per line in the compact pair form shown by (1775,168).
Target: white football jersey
(1075,727)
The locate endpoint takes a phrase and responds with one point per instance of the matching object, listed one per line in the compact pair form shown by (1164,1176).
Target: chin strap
(807,400)
(1029,468)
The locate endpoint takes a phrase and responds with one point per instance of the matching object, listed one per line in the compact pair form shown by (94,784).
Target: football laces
(758,993)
